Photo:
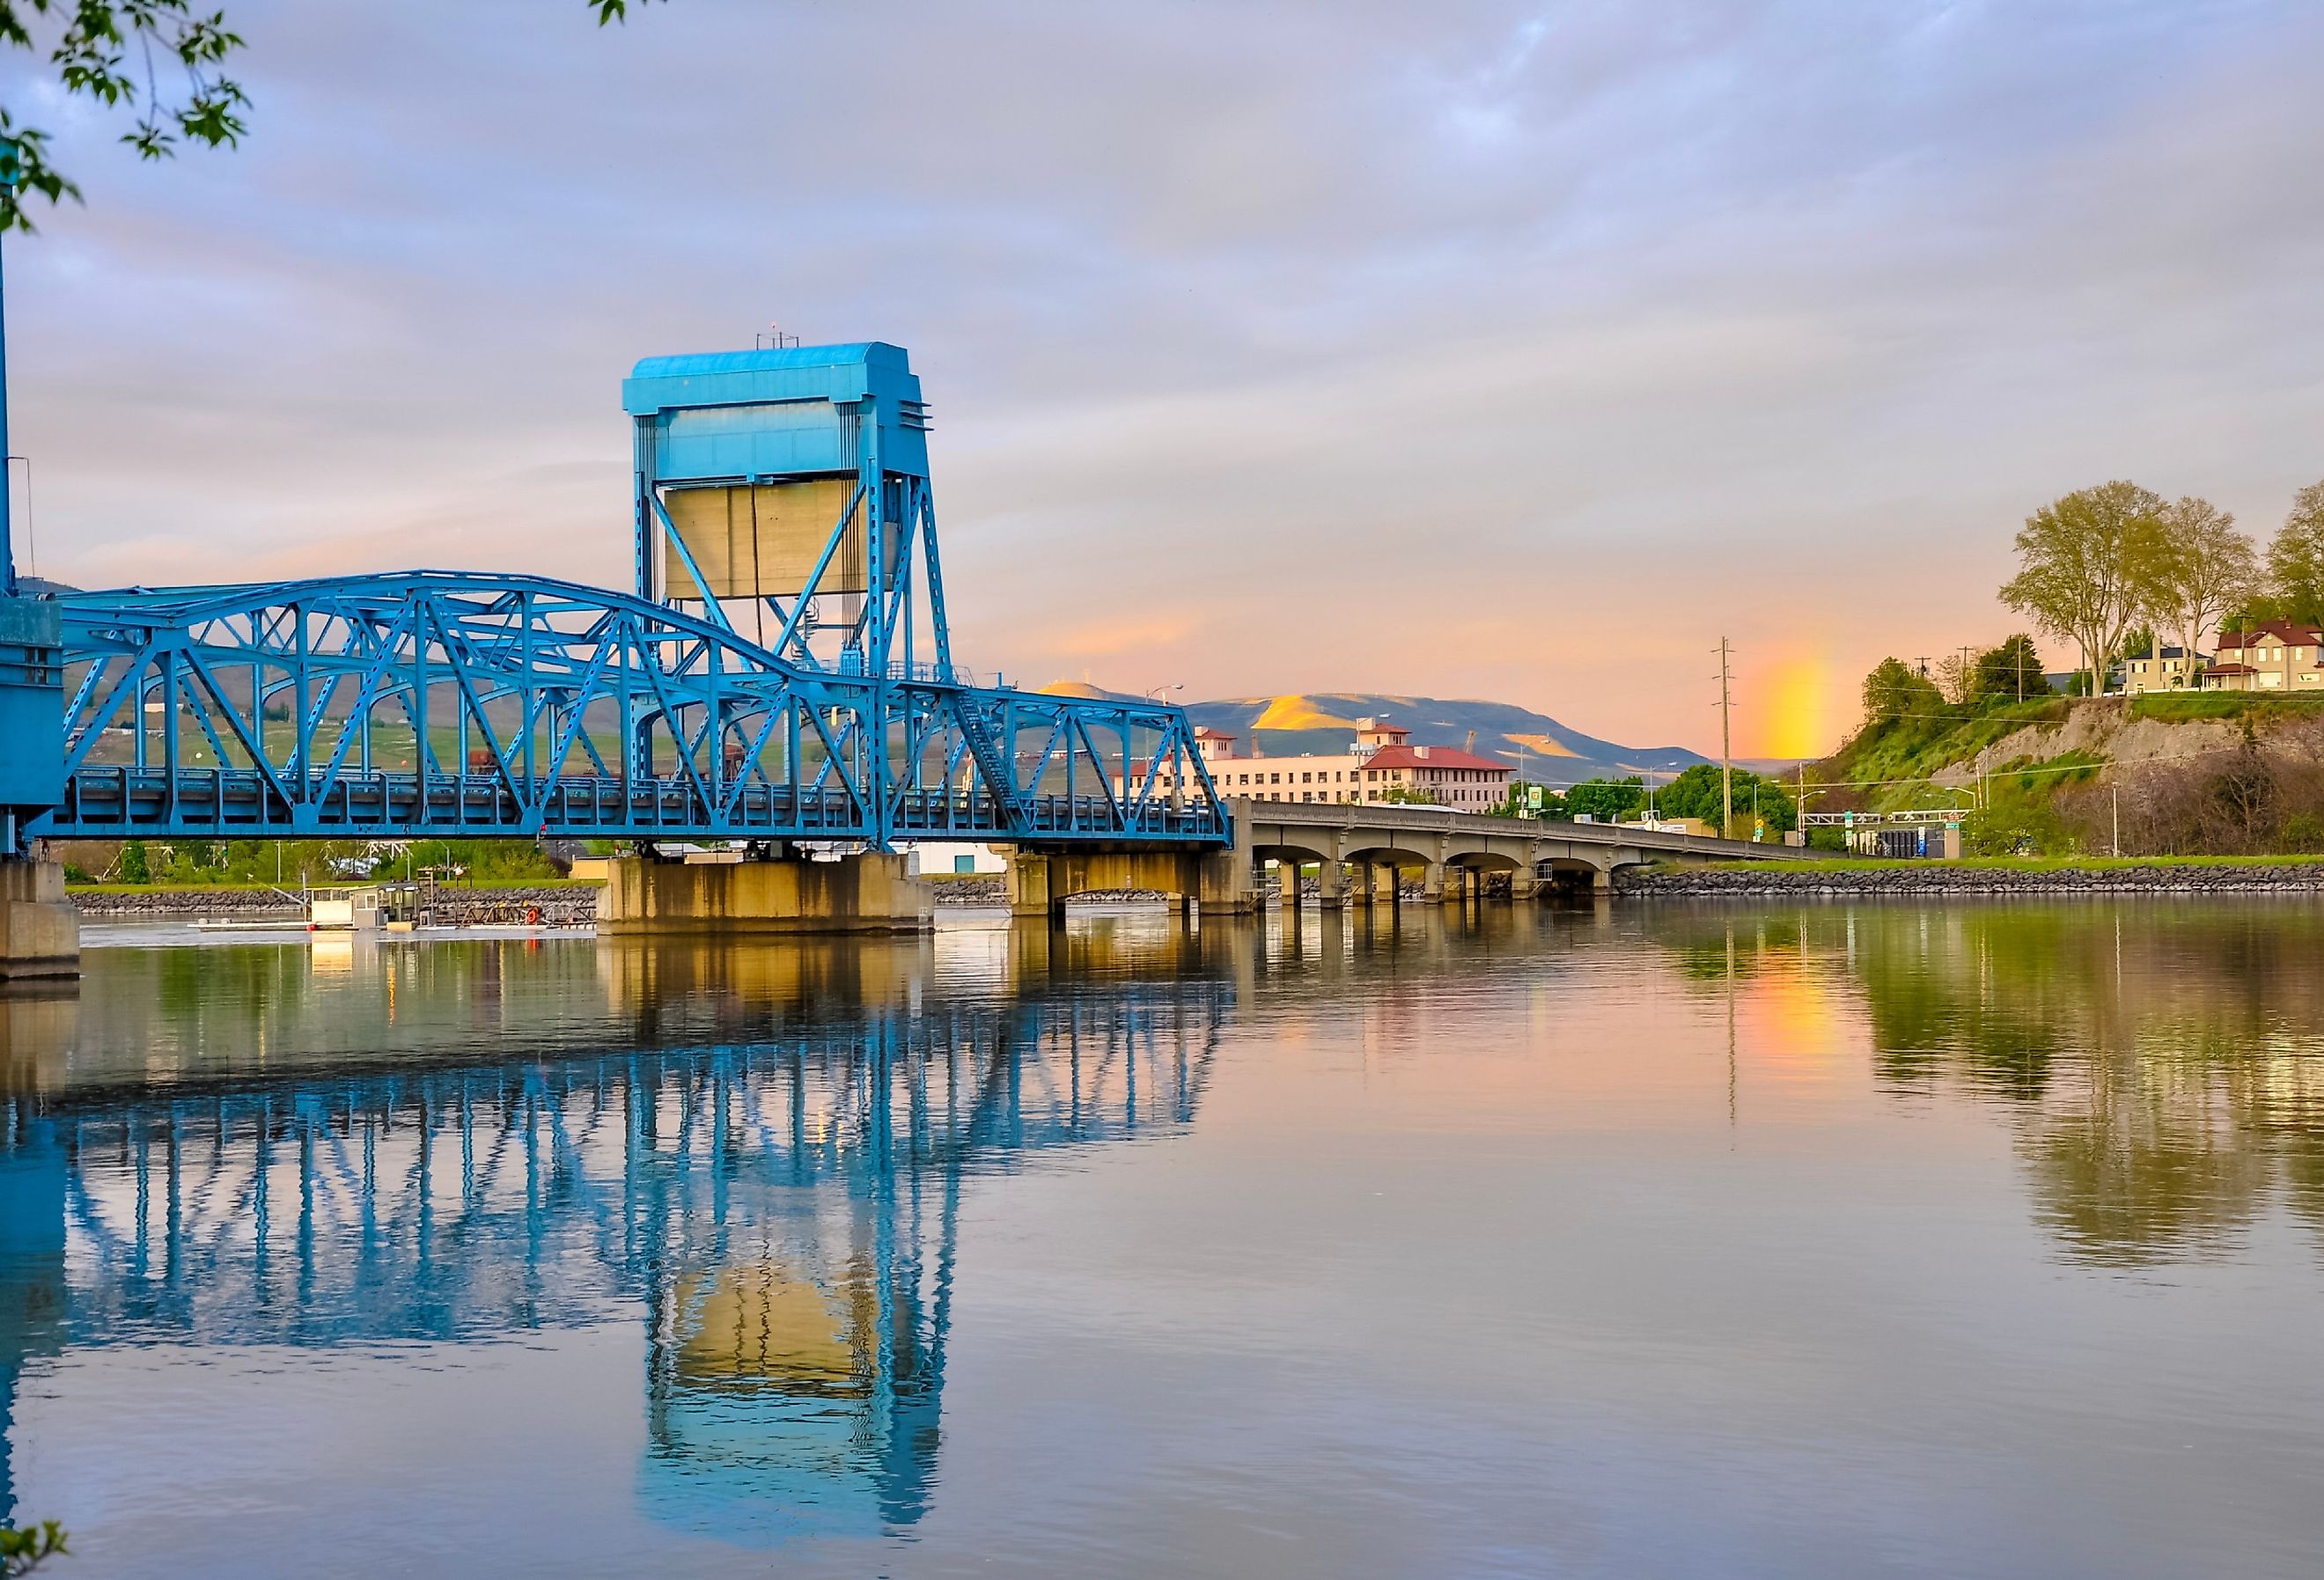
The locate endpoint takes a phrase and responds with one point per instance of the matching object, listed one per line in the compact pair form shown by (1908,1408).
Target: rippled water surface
(1657,1241)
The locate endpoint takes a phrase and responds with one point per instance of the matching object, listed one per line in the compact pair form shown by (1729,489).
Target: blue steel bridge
(783,668)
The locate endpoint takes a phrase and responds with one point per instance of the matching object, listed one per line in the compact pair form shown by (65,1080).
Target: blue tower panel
(723,415)
(32,703)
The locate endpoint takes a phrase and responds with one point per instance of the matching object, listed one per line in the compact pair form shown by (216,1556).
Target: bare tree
(2202,568)
(1956,677)
(2087,567)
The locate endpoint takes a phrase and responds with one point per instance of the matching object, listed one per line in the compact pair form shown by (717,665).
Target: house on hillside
(2281,655)
(2162,668)
(1380,761)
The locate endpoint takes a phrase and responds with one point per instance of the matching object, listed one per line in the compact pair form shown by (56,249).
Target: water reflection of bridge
(780,1210)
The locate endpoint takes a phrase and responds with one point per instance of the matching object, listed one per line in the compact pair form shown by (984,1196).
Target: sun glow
(1803,707)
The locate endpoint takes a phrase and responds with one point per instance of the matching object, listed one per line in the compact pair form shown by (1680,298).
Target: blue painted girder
(445,704)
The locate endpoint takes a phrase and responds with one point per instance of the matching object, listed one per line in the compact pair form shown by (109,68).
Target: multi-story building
(1380,763)
(2281,655)
(2162,668)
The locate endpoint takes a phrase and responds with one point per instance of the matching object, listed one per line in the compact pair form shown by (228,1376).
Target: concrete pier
(1220,881)
(867,893)
(40,931)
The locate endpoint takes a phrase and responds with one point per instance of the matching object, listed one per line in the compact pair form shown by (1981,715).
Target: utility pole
(7,529)
(1726,747)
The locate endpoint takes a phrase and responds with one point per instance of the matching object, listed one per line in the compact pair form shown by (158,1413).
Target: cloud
(1503,349)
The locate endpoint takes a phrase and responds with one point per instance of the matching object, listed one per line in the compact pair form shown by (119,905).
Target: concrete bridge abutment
(870,892)
(40,930)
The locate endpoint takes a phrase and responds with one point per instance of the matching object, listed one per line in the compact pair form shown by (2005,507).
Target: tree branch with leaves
(160,61)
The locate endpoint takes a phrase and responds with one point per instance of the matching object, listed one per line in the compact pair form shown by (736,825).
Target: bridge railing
(520,705)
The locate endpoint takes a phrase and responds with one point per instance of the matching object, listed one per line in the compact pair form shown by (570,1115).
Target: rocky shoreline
(1935,878)
(559,905)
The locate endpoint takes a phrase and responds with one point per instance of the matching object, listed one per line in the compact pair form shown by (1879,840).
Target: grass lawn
(2051,864)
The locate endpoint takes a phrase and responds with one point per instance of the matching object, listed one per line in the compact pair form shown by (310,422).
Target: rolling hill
(1537,746)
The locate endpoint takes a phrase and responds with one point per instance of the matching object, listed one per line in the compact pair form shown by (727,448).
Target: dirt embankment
(2107,730)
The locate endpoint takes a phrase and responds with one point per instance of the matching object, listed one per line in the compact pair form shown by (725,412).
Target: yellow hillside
(1298,713)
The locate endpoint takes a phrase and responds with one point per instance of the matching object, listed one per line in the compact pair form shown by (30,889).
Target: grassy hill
(2225,773)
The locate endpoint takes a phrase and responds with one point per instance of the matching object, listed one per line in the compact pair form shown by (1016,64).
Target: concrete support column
(40,930)
(1223,880)
(1524,885)
(1032,886)
(872,892)
(1330,891)
(1286,873)
(1432,883)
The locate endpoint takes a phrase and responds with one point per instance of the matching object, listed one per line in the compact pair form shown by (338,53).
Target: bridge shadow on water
(757,1152)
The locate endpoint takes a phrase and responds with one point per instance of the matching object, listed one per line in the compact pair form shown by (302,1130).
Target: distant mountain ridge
(1538,746)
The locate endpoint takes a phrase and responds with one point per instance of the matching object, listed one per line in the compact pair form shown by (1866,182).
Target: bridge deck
(1282,823)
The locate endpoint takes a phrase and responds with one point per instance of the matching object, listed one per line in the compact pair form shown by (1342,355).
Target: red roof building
(1380,763)
(2280,655)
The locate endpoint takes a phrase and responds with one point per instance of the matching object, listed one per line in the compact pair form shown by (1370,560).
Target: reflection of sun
(1791,1022)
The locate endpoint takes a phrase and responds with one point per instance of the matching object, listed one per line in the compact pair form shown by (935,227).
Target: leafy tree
(1606,799)
(2012,826)
(2203,569)
(109,52)
(2012,671)
(1695,793)
(2295,559)
(134,867)
(1520,802)
(1892,691)
(21,1551)
(2089,563)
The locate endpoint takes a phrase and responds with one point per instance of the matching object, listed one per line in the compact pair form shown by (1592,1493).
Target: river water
(1663,1239)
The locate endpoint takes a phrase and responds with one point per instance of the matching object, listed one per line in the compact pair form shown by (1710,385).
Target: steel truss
(435,704)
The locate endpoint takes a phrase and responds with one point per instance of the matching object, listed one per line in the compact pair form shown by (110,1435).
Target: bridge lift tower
(781,677)
(784,494)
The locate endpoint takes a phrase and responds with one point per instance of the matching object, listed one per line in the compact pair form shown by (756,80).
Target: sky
(1487,350)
